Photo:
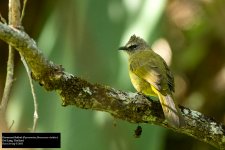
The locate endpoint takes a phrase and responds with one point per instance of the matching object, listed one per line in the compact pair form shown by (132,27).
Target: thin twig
(2,19)
(9,80)
(33,93)
(14,13)
(11,125)
(23,10)
(29,76)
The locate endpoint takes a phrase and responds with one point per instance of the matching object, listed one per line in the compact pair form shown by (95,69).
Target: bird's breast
(141,85)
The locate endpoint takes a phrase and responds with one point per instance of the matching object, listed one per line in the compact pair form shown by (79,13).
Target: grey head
(135,44)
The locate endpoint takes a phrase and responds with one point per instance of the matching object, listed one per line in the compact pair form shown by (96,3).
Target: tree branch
(127,106)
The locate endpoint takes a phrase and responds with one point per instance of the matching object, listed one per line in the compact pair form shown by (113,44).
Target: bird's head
(134,44)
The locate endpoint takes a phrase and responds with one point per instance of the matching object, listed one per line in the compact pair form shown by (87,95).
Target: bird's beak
(122,48)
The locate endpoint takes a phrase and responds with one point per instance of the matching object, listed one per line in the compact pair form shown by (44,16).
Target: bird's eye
(132,47)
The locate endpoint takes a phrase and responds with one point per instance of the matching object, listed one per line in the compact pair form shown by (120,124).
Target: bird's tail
(171,111)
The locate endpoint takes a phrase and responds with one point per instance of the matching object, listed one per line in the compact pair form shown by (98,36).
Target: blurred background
(83,36)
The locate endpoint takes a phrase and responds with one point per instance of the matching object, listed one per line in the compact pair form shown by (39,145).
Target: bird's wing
(170,78)
(149,71)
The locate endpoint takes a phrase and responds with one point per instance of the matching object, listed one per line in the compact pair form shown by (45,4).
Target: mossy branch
(131,107)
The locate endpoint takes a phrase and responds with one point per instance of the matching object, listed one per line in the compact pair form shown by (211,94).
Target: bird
(151,76)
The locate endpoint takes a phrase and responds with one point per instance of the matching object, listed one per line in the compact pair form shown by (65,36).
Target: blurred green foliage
(83,36)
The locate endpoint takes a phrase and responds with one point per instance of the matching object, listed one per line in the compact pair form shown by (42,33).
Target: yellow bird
(151,76)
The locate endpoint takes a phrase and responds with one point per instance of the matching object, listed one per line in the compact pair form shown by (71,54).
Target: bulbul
(151,76)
